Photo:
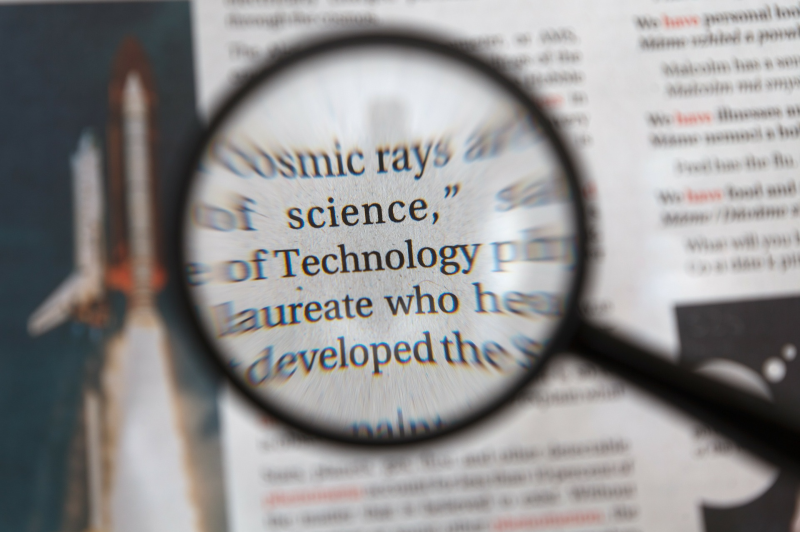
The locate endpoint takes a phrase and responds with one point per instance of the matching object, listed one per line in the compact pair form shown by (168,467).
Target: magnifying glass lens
(381,240)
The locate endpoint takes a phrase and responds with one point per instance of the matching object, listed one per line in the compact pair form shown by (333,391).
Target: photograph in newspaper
(112,413)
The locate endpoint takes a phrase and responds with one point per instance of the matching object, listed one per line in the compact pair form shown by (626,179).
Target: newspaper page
(684,118)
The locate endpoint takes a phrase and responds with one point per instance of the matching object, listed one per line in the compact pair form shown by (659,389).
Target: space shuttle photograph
(132,441)
(132,417)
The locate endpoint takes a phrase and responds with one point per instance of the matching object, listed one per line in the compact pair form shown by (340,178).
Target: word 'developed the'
(453,349)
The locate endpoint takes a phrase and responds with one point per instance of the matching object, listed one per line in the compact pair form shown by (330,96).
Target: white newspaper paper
(685,118)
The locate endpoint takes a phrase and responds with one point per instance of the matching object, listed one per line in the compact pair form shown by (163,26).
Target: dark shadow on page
(771,511)
(757,341)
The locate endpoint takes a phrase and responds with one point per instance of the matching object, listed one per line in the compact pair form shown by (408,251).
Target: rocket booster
(88,194)
(140,205)
(85,284)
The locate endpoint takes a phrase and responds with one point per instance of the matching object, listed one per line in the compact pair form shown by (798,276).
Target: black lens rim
(564,332)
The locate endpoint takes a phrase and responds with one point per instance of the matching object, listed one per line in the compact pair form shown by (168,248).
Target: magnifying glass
(382,240)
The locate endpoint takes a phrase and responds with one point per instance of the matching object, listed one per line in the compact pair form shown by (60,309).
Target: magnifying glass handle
(752,423)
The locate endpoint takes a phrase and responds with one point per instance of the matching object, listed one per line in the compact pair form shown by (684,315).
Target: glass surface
(380,242)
